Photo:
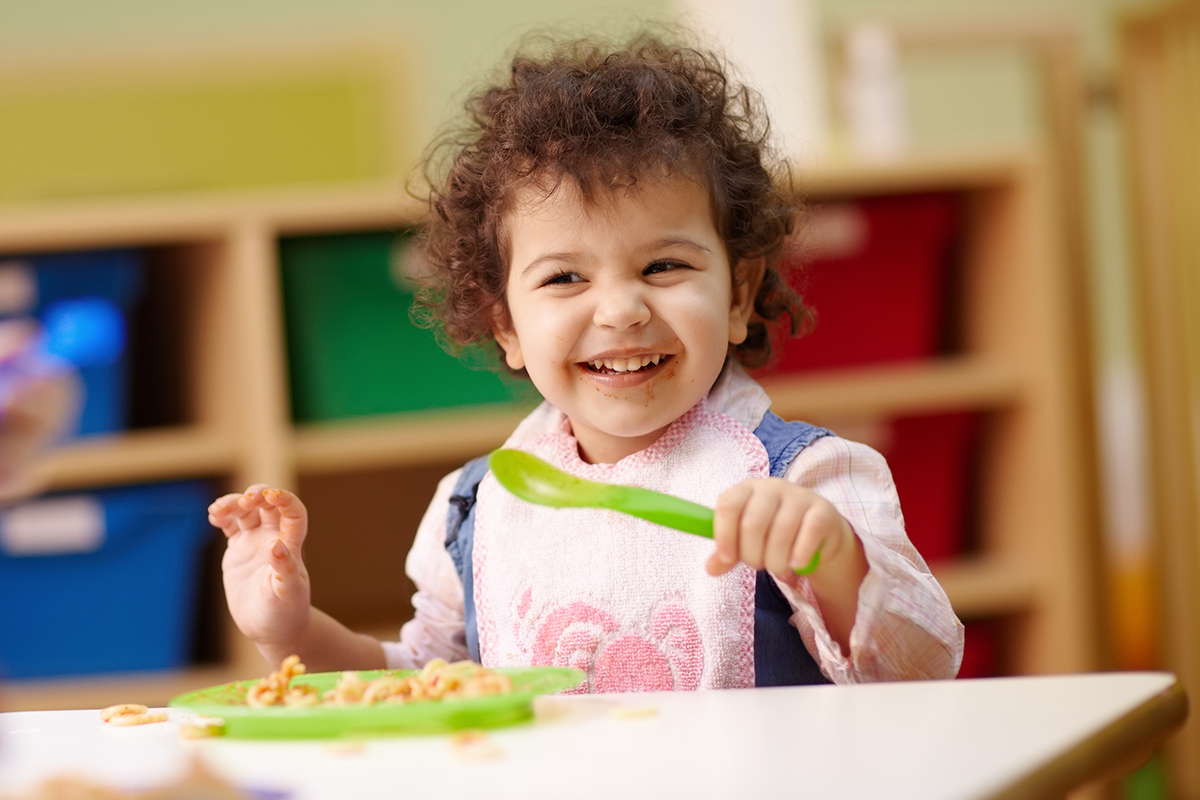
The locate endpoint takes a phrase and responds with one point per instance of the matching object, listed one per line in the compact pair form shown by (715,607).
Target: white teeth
(625,364)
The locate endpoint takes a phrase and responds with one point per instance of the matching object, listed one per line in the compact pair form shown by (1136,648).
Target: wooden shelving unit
(219,279)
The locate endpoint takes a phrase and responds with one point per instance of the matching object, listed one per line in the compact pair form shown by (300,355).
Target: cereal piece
(130,714)
(347,691)
(273,690)
(388,688)
(475,745)
(123,720)
(557,708)
(261,695)
(302,694)
(121,710)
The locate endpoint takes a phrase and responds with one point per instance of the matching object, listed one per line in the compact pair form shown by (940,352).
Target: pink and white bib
(625,600)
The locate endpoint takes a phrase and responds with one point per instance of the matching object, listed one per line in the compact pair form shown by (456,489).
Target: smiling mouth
(621,366)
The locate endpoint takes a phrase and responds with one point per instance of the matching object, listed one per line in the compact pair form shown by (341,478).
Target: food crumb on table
(125,714)
(349,747)
(475,745)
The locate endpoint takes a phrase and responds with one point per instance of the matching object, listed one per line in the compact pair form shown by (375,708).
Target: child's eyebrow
(685,241)
(565,255)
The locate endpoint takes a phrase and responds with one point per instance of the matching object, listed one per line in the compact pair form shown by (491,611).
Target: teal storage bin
(352,348)
(102,582)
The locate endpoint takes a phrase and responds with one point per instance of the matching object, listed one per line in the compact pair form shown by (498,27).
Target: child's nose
(621,307)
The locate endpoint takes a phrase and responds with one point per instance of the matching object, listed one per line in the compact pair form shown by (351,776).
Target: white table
(1007,737)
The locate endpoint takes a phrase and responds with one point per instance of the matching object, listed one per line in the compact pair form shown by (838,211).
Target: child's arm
(771,524)
(267,585)
(437,629)
(904,627)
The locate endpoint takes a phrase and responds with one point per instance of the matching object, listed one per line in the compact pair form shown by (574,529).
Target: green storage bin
(352,348)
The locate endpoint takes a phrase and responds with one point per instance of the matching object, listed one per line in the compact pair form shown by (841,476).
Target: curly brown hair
(601,117)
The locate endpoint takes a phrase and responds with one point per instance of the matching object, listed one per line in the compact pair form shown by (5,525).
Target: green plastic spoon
(532,479)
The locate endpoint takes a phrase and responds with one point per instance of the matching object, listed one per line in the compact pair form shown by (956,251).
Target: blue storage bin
(101,582)
(115,275)
(83,299)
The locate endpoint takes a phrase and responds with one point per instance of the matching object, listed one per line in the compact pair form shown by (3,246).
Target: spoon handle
(663,509)
(675,512)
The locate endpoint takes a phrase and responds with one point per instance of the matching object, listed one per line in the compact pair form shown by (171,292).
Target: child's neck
(597,447)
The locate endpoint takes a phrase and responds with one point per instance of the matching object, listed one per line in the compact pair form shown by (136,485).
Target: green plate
(228,702)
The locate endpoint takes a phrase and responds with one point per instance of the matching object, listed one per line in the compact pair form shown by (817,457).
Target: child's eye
(562,277)
(662,266)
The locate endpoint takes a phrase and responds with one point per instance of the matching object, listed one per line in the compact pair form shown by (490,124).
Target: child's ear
(747,277)
(502,329)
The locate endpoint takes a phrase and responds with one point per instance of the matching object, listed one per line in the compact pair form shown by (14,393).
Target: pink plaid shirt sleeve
(905,628)
(436,629)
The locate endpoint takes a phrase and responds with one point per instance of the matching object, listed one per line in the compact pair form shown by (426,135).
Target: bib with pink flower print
(624,600)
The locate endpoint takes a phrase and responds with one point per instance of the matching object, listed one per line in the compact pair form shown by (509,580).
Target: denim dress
(780,657)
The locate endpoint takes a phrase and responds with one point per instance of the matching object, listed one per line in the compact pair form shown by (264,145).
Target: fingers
(748,519)
(223,513)
(822,533)
(758,516)
(773,525)
(786,538)
(259,507)
(284,570)
(726,520)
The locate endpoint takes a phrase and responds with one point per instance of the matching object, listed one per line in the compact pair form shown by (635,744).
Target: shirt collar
(737,395)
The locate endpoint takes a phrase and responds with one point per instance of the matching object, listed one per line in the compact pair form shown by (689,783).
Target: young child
(610,221)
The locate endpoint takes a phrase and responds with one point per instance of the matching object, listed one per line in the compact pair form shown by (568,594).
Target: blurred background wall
(448,45)
(961,97)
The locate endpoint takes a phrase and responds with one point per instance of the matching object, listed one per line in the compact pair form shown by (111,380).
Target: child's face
(621,309)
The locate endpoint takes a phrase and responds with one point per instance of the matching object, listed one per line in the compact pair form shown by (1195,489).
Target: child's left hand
(768,523)
(777,526)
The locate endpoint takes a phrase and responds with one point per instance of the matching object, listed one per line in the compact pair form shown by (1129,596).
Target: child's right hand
(266,583)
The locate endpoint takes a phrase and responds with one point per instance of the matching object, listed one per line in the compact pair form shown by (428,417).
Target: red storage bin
(931,461)
(876,278)
(981,649)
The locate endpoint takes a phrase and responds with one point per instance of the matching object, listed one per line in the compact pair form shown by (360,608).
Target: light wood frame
(1160,111)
